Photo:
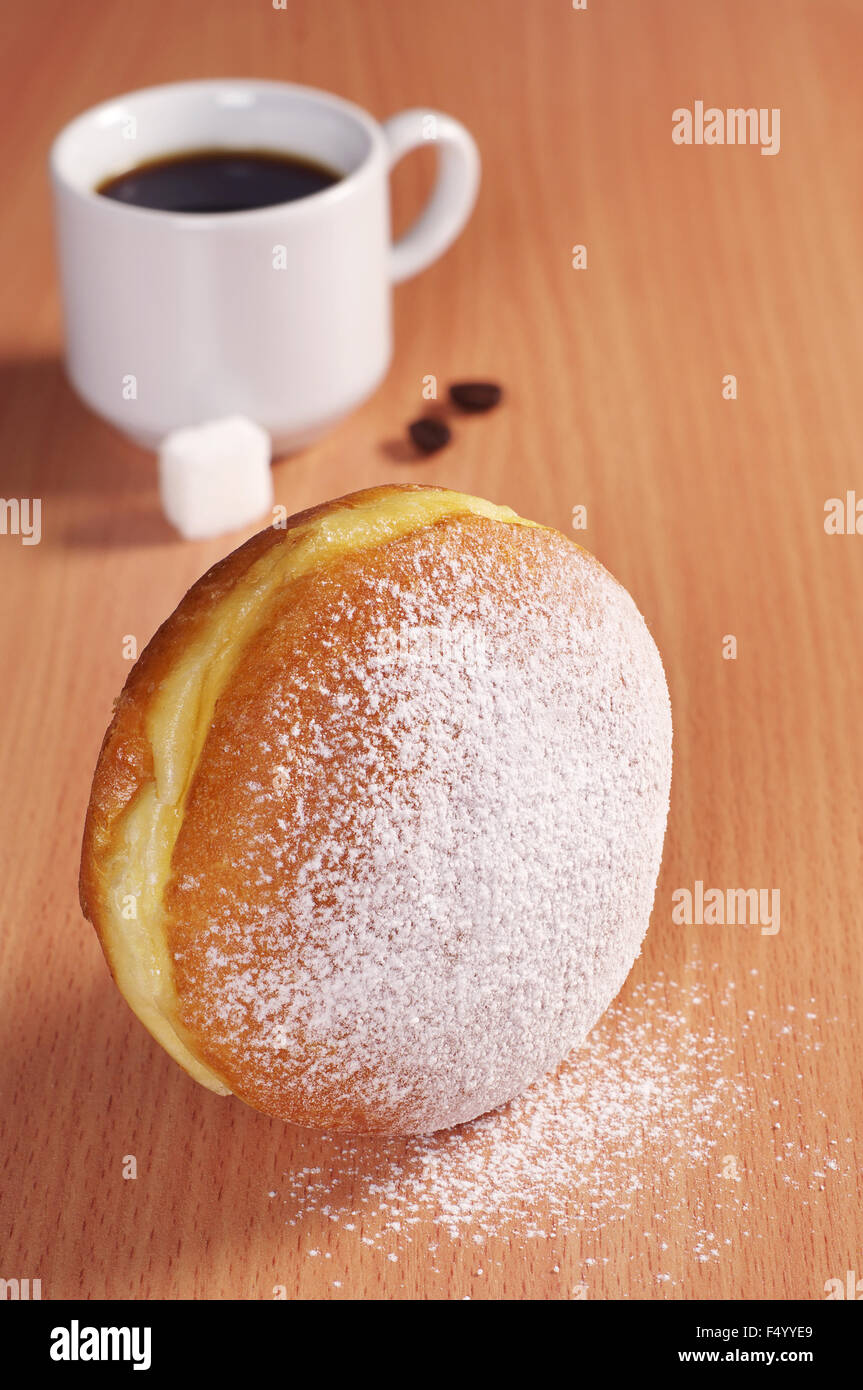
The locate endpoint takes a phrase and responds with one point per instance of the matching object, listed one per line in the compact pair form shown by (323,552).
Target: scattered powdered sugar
(659,1090)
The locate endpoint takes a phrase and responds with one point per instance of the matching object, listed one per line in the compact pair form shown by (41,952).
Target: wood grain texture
(702,261)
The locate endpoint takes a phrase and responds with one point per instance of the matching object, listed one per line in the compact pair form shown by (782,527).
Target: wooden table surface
(703,261)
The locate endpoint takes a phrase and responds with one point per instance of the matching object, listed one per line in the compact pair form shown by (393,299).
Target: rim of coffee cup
(62,148)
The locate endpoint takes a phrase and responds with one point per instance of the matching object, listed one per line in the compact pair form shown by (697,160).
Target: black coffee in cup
(219,181)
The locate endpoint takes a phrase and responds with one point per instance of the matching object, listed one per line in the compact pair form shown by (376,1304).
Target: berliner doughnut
(374,833)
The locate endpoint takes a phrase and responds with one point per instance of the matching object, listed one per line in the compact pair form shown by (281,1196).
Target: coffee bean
(429,434)
(475,395)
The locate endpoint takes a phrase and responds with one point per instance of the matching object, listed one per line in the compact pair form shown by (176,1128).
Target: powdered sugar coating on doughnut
(449,759)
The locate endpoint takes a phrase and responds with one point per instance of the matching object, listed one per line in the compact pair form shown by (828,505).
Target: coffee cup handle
(453,195)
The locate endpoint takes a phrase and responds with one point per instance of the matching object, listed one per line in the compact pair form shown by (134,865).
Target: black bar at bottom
(253,1339)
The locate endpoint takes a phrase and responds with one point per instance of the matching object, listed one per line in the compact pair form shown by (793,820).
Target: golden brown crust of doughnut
(241,883)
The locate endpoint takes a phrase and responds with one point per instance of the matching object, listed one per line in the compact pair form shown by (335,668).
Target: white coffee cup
(281,313)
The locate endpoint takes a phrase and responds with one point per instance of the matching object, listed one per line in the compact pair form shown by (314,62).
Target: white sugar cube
(215,477)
